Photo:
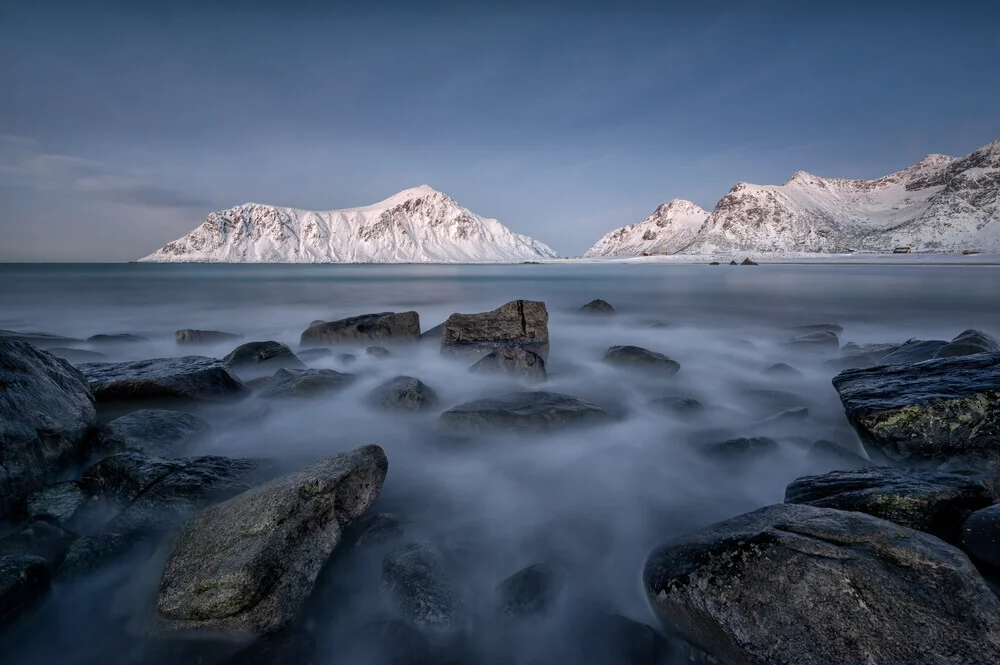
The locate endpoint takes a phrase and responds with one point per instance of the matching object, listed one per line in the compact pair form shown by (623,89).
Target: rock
(246,566)
(784,371)
(346,358)
(739,449)
(821,341)
(598,307)
(808,329)
(155,432)
(523,323)
(873,350)
(295,648)
(377,352)
(765,402)
(24,582)
(611,639)
(933,410)
(733,263)
(61,503)
(196,337)
(40,339)
(800,585)
(315,353)
(530,591)
(913,352)
(742,345)
(263,355)
(512,361)
(834,456)
(792,414)
(120,478)
(91,553)
(389,643)
(685,407)
(433,334)
(374,530)
(119,338)
(748,262)
(391,326)
(76,355)
(714,263)
(46,415)
(403,393)
(981,536)
(636,357)
(414,577)
(39,538)
(195,378)
(306,383)
(967,343)
(260,383)
(524,411)
(932,501)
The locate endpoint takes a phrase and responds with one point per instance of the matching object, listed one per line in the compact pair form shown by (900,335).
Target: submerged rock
(748,262)
(612,639)
(967,343)
(38,538)
(414,576)
(374,530)
(194,337)
(246,566)
(391,326)
(598,307)
(61,503)
(933,410)
(46,414)
(739,449)
(811,328)
(403,393)
(156,432)
(525,411)
(120,478)
(981,536)
(783,371)
(76,355)
(377,352)
(24,582)
(315,353)
(42,340)
(933,501)
(523,323)
(512,361)
(195,378)
(530,591)
(684,407)
(119,338)
(913,351)
(819,341)
(636,357)
(91,553)
(263,355)
(306,383)
(800,585)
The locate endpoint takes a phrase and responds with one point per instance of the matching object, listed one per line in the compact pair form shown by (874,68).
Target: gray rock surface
(800,585)
(914,351)
(195,378)
(384,326)
(42,340)
(512,361)
(46,416)
(377,352)
(981,536)
(76,356)
(61,503)
(523,323)
(246,566)
(815,342)
(414,577)
(525,411)
(743,448)
(598,307)
(189,336)
(638,358)
(403,393)
(24,582)
(263,355)
(156,432)
(531,591)
(967,343)
(306,383)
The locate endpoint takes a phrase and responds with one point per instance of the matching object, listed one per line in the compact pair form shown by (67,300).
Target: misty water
(593,501)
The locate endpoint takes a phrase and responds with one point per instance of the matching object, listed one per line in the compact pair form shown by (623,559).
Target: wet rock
(781,370)
(62,503)
(523,323)
(39,538)
(246,566)
(119,338)
(377,352)
(525,411)
(636,357)
(967,343)
(684,407)
(598,307)
(120,478)
(91,553)
(913,351)
(375,530)
(800,585)
(835,456)
(414,576)
(263,355)
(391,326)
(815,342)
(611,639)
(306,383)
(512,361)
(24,582)
(198,337)
(926,500)
(46,415)
(933,410)
(743,448)
(194,378)
(981,536)
(156,432)
(530,591)
(315,353)
(76,355)
(403,393)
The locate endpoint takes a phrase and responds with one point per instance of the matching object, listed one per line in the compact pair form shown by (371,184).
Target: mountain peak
(412,193)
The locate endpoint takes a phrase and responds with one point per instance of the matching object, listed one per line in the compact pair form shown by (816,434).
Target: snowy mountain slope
(670,228)
(414,226)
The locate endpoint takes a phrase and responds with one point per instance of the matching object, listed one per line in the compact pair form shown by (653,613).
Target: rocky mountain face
(672,227)
(416,225)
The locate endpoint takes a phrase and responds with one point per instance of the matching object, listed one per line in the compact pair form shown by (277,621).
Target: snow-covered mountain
(672,227)
(419,225)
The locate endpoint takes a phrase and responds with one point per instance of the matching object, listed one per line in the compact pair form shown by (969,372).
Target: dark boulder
(913,351)
(374,530)
(525,411)
(981,536)
(403,393)
(120,478)
(933,501)
(714,263)
(156,432)
(764,402)
(683,407)
(800,585)
(967,343)
(531,591)
(195,378)
(92,553)
(743,448)
(24,582)
(62,503)
(46,415)
(38,538)
(933,410)
(263,355)
(346,358)
(202,337)
(781,370)
(598,307)
(748,262)
(118,338)
(523,323)
(733,263)
(377,352)
(414,577)
(384,326)
(512,361)
(636,357)
(247,565)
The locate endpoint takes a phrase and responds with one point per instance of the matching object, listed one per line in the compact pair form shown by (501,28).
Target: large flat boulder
(800,585)
(523,323)
(933,410)
(383,326)
(640,359)
(533,411)
(288,383)
(196,378)
(246,566)
(158,432)
(46,414)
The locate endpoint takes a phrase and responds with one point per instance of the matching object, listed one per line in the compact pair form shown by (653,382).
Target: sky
(122,126)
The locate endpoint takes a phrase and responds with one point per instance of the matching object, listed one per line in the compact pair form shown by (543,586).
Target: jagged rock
(61,503)
(981,536)
(800,585)
(967,343)
(748,262)
(733,263)
(685,407)
(246,566)
(819,341)
(195,337)
(913,351)
(306,383)
(76,355)
(403,393)
(784,371)
(264,355)
(46,414)
(156,432)
(598,307)
(195,378)
(315,353)
(742,448)
(837,457)
(523,323)
(24,582)
(933,410)
(636,357)
(530,591)
(118,338)
(390,326)
(512,361)
(414,576)
(377,352)
(926,500)
(524,411)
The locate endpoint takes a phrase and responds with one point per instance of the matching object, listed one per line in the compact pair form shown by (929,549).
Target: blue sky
(121,126)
